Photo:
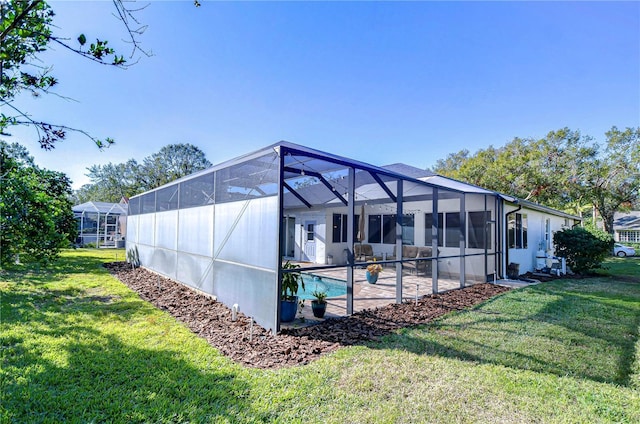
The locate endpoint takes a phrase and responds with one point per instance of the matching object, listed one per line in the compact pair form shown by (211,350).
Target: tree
(170,163)
(36,219)
(25,32)
(612,181)
(564,170)
(451,164)
(109,183)
(543,171)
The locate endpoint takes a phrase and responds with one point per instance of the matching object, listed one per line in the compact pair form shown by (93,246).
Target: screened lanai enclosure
(101,224)
(228,230)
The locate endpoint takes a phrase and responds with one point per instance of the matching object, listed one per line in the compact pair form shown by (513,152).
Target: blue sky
(380,82)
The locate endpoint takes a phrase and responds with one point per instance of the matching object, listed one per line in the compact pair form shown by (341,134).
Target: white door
(310,240)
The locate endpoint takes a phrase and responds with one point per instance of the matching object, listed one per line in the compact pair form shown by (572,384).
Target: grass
(78,346)
(616,267)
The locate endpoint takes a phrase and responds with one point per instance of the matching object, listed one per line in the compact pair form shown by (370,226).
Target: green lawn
(78,346)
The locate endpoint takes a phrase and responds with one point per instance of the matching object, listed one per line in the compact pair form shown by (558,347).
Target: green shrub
(584,249)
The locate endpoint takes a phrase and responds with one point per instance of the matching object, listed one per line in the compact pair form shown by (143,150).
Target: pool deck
(371,296)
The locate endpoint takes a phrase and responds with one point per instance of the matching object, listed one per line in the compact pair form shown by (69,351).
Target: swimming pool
(331,286)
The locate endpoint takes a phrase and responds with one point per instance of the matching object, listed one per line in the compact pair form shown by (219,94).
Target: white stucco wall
(448,265)
(326,246)
(536,237)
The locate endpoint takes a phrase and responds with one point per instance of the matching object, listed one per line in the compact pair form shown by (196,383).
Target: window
(408,225)
(382,229)
(340,228)
(337,227)
(375,228)
(629,236)
(428,224)
(478,234)
(547,233)
(452,229)
(310,232)
(389,229)
(448,229)
(517,231)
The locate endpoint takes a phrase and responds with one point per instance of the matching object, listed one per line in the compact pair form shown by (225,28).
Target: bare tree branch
(124,14)
(55,132)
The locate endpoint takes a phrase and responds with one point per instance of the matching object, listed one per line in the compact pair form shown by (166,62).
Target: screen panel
(247,232)
(146,229)
(195,271)
(167,198)
(196,230)
(254,290)
(166,229)
(163,261)
(197,191)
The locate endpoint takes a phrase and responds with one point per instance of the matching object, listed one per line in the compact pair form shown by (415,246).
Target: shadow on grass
(608,318)
(32,292)
(67,265)
(588,335)
(110,381)
(37,306)
(59,367)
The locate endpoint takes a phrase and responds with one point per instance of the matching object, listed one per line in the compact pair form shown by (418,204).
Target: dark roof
(626,220)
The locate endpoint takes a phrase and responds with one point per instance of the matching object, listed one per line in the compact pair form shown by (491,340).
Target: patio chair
(414,252)
(409,252)
(424,266)
(364,253)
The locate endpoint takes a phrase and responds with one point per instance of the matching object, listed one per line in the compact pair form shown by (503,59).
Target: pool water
(331,286)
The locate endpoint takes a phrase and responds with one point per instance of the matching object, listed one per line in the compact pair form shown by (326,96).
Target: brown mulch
(254,346)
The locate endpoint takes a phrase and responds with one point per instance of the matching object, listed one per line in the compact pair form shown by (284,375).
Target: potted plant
(288,298)
(319,304)
(372,272)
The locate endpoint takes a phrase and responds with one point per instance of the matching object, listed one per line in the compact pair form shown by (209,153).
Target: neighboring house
(626,226)
(102,224)
(225,230)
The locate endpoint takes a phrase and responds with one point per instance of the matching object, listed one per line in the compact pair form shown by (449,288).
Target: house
(226,230)
(626,226)
(523,235)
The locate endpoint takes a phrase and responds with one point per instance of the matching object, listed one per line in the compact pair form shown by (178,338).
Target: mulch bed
(254,346)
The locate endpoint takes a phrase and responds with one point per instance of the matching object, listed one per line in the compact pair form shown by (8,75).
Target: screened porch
(227,230)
